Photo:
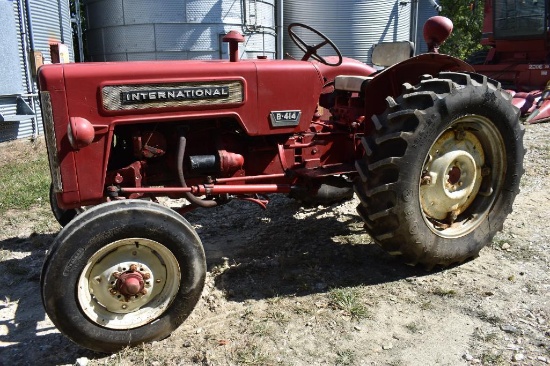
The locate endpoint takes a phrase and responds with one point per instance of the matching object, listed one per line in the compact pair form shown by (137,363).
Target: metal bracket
(23,111)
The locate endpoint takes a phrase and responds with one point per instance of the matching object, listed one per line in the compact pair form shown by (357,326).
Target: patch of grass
(444,292)
(349,301)
(426,305)
(413,327)
(493,359)
(345,357)
(489,318)
(260,329)
(485,337)
(24,184)
(252,354)
(132,356)
(278,317)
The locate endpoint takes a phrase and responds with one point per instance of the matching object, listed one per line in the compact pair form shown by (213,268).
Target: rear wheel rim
(128,283)
(462,175)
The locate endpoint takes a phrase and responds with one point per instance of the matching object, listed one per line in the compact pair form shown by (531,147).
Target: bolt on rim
(128,283)
(462,175)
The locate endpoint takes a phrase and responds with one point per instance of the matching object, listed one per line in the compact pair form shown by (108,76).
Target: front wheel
(442,170)
(121,274)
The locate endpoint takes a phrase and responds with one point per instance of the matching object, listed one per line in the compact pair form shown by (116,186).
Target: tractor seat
(389,53)
(350,83)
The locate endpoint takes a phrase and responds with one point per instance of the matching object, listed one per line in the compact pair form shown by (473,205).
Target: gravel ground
(299,285)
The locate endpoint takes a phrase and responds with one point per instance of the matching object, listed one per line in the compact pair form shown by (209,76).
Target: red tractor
(433,150)
(518,56)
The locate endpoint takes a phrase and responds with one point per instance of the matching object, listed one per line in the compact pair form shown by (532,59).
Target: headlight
(80,132)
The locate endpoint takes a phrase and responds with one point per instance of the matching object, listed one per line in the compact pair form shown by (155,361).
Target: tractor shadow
(26,335)
(291,250)
(252,253)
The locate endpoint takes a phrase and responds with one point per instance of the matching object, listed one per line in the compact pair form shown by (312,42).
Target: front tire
(442,170)
(121,274)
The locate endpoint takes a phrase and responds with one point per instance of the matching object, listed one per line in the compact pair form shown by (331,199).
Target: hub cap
(462,174)
(128,283)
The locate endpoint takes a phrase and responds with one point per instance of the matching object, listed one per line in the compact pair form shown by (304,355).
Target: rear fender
(388,82)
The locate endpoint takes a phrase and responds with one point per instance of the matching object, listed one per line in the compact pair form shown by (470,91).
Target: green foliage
(468,23)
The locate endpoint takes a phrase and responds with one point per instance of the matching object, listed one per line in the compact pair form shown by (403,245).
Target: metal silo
(353,25)
(29,28)
(127,30)
(422,11)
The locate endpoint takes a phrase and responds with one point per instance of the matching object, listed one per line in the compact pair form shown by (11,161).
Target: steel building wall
(426,10)
(353,25)
(11,130)
(51,23)
(120,30)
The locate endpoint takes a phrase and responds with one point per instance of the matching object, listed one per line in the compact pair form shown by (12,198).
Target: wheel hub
(452,175)
(128,283)
(131,283)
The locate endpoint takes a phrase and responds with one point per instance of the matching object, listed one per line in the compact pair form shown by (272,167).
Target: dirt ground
(306,286)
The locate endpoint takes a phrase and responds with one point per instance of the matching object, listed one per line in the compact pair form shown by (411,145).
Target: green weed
(349,300)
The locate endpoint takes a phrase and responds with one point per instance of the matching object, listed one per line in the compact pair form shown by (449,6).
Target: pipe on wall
(26,40)
(279,27)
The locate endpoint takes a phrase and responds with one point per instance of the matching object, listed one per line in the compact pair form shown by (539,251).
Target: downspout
(79,31)
(414,24)
(25,40)
(60,16)
(24,45)
(279,10)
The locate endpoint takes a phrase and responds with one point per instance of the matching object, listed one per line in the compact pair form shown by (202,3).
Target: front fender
(388,82)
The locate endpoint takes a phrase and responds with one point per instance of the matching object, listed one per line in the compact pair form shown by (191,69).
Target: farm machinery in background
(433,150)
(516,32)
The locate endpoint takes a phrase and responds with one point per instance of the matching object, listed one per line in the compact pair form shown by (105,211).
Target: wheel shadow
(294,251)
(26,335)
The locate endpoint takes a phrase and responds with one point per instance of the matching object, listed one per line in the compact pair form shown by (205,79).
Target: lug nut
(427,180)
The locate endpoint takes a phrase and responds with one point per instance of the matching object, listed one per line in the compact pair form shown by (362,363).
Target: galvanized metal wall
(129,30)
(353,25)
(426,10)
(50,23)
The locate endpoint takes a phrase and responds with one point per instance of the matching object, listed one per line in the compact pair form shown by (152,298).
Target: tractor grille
(49,132)
(192,94)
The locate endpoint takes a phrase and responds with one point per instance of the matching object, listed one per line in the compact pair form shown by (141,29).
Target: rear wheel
(121,274)
(442,170)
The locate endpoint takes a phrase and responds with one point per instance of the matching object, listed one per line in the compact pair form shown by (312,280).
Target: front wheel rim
(462,175)
(128,283)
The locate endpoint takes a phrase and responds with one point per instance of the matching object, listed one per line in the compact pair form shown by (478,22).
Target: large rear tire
(121,274)
(442,169)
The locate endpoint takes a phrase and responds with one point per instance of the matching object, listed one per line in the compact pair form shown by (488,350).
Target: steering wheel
(311,51)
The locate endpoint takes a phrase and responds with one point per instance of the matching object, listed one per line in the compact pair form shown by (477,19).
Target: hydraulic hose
(188,195)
